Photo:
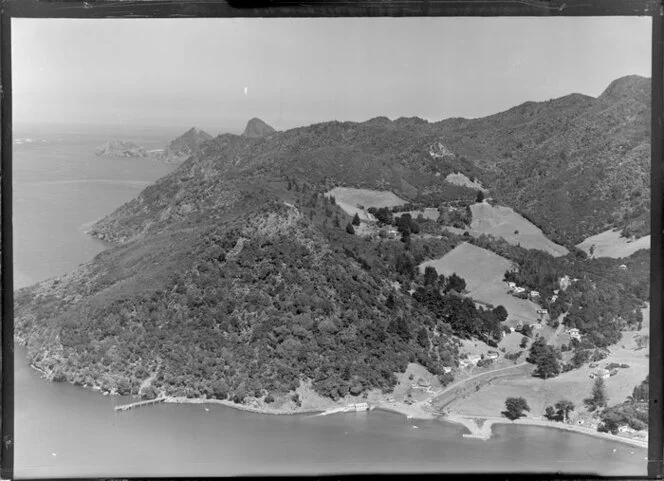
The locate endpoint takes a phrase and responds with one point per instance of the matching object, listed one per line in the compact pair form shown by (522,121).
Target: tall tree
(514,407)
(356,219)
(598,397)
(480,196)
(430,276)
(564,407)
(349,228)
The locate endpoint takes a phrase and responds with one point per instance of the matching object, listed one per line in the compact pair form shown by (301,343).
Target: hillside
(185,145)
(573,166)
(248,305)
(235,277)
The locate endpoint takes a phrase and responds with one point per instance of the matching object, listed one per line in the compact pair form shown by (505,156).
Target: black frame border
(344,8)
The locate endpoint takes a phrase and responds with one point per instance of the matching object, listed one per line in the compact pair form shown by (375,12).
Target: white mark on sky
(246,91)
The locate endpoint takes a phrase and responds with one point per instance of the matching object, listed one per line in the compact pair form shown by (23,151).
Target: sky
(218,73)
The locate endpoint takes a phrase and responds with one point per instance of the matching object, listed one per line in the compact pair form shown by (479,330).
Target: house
(421,382)
(475,358)
(622,267)
(512,329)
(554,298)
(360,406)
(626,429)
(447,369)
(556,292)
(574,333)
(537,326)
(534,294)
(511,285)
(464,363)
(542,311)
(519,290)
(603,373)
(492,355)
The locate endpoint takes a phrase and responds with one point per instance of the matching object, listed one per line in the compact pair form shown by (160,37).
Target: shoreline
(413,411)
(484,432)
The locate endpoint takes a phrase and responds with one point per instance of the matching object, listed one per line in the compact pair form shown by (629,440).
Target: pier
(138,404)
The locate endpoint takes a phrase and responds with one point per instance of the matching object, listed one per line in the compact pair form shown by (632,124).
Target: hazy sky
(218,73)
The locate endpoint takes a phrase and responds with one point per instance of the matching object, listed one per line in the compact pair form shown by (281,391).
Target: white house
(554,298)
(603,373)
(626,429)
(447,369)
(512,329)
(534,294)
(542,311)
(511,285)
(622,267)
(519,290)
(492,355)
(574,332)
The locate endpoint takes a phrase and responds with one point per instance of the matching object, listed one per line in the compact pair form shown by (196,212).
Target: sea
(60,189)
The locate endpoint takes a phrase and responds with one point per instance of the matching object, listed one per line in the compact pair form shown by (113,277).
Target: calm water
(62,430)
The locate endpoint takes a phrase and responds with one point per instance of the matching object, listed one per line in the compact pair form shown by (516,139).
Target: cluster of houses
(520,290)
(473,359)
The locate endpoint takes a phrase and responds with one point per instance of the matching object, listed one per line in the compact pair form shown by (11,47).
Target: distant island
(119,148)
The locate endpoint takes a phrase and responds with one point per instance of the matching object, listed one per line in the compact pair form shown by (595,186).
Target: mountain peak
(257,128)
(630,86)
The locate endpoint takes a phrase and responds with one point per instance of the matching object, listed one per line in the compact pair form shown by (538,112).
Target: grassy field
(611,244)
(483,271)
(501,221)
(573,385)
(350,199)
(429,213)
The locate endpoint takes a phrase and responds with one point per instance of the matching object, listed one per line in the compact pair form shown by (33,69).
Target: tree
(455,283)
(514,407)
(564,407)
(423,337)
(405,235)
(480,196)
(598,397)
(551,414)
(356,219)
(524,342)
(430,276)
(640,392)
(349,228)
(501,313)
(220,389)
(336,221)
(546,359)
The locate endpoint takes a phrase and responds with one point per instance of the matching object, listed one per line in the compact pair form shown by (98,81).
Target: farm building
(603,373)
(421,382)
(534,294)
(492,355)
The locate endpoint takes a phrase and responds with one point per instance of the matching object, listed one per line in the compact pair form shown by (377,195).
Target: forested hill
(234,275)
(247,304)
(574,166)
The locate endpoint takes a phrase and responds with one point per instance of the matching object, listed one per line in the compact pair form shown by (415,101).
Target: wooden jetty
(138,404)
